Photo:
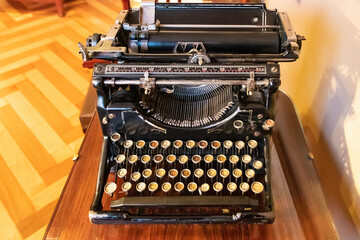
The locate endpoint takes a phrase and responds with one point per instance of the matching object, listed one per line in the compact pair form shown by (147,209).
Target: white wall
(324,84)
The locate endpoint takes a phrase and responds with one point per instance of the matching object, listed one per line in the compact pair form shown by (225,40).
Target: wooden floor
(42,87)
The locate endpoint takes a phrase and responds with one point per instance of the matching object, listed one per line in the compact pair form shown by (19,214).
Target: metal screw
(274,69)
(260,116)
(257,133)
(111,115)
(104,120)
(255,19)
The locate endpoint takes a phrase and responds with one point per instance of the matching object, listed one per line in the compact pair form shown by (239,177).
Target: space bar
(184,201)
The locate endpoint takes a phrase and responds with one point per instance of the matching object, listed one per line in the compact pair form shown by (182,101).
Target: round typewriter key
(208,158)
(231,187)
(257,187)
(110,188)
(140,144)
(203,144)
(211,173)
(192,187)
(215,144)
(246,159)
(173,173)
(185,173)
(153,186)
(237,173)
(268,124)
(147,173)
(135,176)
(244,187)
(221,158)
(115,137)
(204,187)
(196,159)
(153,144)
(170,158)
(166,186)
(190,144)
(238,124)
(228,144)
(122,173)
(224,173)
(249,173)
(158,158)
(140,186)
(218,186)
(120,158)
(234,159)
(198,172)
(257,164)
(183,159)
(145,159)
(133,159)
(128,143)
(178,144)
(179,186)
(252,144)
(126,186)
(165,144)
(240,145)
(160,172)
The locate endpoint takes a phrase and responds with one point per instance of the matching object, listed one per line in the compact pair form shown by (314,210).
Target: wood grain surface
(299,214)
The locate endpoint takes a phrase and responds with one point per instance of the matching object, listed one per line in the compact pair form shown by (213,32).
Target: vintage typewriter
(186,101)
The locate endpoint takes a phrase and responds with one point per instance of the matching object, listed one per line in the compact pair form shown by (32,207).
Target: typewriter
(186,102)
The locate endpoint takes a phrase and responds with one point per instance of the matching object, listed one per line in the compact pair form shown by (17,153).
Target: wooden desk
(300,208)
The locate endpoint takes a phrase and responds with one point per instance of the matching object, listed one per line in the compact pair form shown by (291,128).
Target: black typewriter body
(187,104)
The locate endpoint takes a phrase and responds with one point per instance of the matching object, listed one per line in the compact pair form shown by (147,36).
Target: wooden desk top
(300,209)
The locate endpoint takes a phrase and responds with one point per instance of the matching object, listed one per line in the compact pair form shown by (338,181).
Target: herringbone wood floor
(42,87)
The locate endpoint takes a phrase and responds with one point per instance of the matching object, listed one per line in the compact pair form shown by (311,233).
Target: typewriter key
(208,158)
(179,186)
(204,187)
(145,159)
(244,187)
(158,158)
(126,186)
(238,124)
(211,173)
(234,159)
(135,176)
(246,159)
(178,144)
(153,186)
(198,172)
(190,144)
(165,144)
(115,137)
(110,188)
(257,164)
(185,173)
(140,186)
(196,159)
(268,124)
(249,173)
(122,173)
(228,144)
(252,144)
(215,144)
(170,158)
(192,187)
(160,172)
(237,173)
(133,159)
(147,173)
(218,186)
(183,159)
(221,158)
(166,186)
(153,144)
(128,143)
(231,187)
(173,173)
(140,144)
(239,145)
(257,187)
(120,158)
(224,173)
(203,144)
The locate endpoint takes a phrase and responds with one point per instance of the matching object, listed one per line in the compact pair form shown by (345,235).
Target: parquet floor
(42,87)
